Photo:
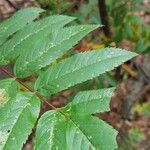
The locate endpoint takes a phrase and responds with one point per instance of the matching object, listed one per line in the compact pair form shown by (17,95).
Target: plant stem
(104,17)
(43,99)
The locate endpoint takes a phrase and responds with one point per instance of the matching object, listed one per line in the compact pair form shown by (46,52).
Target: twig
(104,17)
(130,71)
(43,99)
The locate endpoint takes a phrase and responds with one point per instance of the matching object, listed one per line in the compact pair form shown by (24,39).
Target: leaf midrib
(84,67)
(92,145)
(52,133)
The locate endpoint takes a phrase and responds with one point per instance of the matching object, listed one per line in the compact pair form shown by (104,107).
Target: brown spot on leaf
(3,97)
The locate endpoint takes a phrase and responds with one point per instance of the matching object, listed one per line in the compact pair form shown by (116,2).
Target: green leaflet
(18,21)
(8,89)
(79,68)
(54,46)
(3,97)
(29,37)
(17,119)
(80,130)
(91,102)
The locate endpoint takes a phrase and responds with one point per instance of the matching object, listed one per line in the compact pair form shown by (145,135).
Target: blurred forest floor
(130,94)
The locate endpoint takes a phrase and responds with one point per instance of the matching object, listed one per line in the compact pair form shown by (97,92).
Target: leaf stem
(43,99)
